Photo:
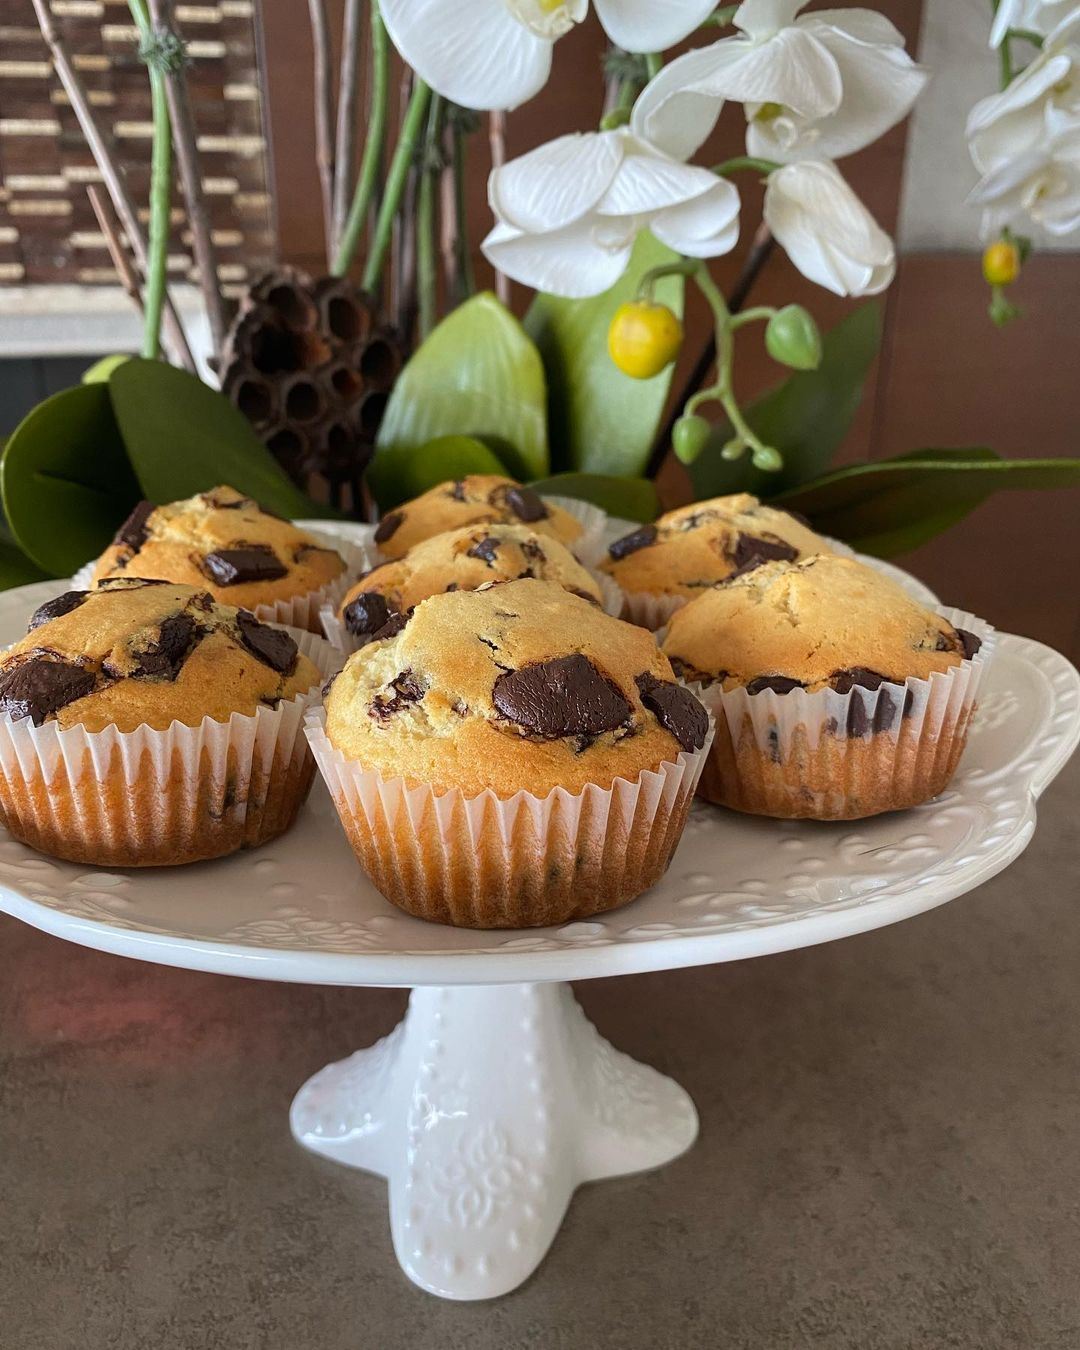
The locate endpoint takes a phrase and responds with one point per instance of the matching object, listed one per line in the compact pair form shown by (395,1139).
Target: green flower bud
(792,338)
(735,449)
(768,460)
(689,436)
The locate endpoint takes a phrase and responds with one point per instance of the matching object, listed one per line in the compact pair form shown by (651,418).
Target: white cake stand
(495,1097)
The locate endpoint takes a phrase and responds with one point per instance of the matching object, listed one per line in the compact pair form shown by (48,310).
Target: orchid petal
(675,112)
(581,260)
(471,51)
(647,182)
(557,183)
(793,69)
(651,25)
(864,25)
(706,226)
(762,18)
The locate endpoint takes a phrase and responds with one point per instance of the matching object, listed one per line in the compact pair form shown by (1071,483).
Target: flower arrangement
(612,227)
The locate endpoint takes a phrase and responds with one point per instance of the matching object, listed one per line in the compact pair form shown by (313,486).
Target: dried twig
(497,142)
(365,197)
(106,163)
(324,117)
(124,270)
(348,81)
(187,158)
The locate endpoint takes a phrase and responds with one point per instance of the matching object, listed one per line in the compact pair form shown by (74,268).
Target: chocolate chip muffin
(143,723)
(837,695)
(459,560)
(475,500)
(662,565)
(225,544)
(557,752)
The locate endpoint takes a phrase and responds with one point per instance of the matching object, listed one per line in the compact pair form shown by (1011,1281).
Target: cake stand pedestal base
(484,1109)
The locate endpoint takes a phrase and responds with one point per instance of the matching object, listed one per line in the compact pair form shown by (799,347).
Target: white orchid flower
(817,87)
(1012,122)
(568,212)
(1041,184)
(1039,16)
(497,53)
(826,231)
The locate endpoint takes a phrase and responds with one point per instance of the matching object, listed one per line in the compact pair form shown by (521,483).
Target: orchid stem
(654,63)
(373,147)
(721,17)
(749,163)
(760,314)
(404,154)
(160,183)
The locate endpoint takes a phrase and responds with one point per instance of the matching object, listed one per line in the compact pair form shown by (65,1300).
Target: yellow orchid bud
(644,337)
(1001,263)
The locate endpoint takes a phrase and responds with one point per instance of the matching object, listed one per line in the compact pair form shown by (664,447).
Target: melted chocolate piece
(526,505)
(486,549)
(132,534)
(566,696)
(407,690)
(132,583)
(250,562)
(165,656)
(779,684)
(54,609)
(859,721)
(272,646)
(38,687)
(843,681)
(391,628)
(676,709)
(970,643)
(388,526)
(751,551)
(532,550)
(367,613)
(632,542)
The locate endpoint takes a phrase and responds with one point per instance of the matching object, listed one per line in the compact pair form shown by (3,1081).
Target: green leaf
(397,477)
(601,421)
(183,437)
(16,569)
(806,418)
(894,505)
(102,369)
(65,479)
(628,498)
(478,375)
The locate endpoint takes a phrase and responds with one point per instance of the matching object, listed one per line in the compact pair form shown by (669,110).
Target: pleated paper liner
(831,756)
(298,611)
(522,862)
(147,798)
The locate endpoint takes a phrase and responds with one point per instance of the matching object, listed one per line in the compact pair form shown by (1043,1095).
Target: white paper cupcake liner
(589,546)
(523,862)
(831,756)
(297,611)
(155,798)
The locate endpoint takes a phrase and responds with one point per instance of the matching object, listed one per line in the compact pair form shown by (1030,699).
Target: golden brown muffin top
(461,560)
(688,550)
(479,498)
(519,686)
(136,652)
(224,543)
(823,622)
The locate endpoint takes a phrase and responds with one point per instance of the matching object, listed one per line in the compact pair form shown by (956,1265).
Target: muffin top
(823,622)
(474,500)
(137,652)
(461,560)
(520,686)
(688,550)
(221,542)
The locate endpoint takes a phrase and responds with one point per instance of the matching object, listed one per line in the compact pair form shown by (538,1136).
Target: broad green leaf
(183,437)
(102,369)
(478,374)
(600,420)
(894,505)
(397,477)
(16,569)
(65,478)
(806,418)
(628,498)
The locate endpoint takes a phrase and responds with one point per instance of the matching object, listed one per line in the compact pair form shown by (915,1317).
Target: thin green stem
(160,191)
(723,391)
(760,314)
(684,267)
(654,63)
(373,146)
(721,18)
(427,277)
(404,154)
(741,163)
(1027,35)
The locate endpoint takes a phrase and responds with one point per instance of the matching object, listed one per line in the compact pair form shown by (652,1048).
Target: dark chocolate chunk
(566,696)
(167,654)
(970,643)
(487,549)
(130,583)
(55,608)
(38,687)
(632,542)
(526,505)
(272,646)
(779,684)
(391,628)
(407,690)
(249,562)
(532,550)
(676,709)
(885,708)
(367,613)
(132,534)
(219,505)
(751,551)
(388,526)
(843,681)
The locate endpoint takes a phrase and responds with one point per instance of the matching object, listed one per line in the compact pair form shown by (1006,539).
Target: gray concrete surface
(889,1157)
